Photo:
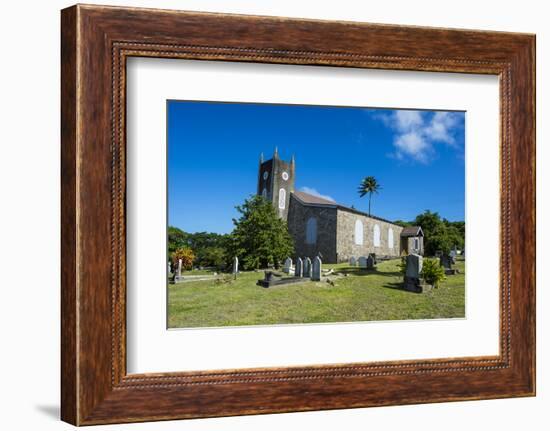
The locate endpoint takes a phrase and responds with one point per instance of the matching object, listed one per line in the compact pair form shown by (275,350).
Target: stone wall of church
(325,238)
(347,246)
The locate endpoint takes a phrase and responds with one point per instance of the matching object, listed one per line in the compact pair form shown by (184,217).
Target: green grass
(198,272)
(361,296)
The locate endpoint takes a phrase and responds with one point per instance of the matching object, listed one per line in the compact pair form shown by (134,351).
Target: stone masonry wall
(326,230)
(345,240)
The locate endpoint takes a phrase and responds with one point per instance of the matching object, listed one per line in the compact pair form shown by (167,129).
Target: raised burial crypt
(325,228)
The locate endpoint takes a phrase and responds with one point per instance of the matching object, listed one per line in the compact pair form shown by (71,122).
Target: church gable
(313,228)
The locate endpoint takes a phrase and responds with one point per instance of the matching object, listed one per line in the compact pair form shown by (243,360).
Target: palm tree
(368,185)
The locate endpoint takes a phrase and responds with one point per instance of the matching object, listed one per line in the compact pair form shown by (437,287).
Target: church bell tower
(276,182)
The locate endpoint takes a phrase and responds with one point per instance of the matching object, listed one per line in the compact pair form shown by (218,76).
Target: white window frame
(376,235)
(282,199)
(358,232)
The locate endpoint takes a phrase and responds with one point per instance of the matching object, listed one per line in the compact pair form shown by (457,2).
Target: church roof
(307,199)
(311,199)
(412,231)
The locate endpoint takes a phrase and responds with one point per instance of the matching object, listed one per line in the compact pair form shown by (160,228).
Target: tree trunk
(370,196)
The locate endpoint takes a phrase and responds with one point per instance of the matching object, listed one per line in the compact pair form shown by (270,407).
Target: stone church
(320,226)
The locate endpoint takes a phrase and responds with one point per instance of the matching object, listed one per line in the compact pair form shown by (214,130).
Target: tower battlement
(276,181)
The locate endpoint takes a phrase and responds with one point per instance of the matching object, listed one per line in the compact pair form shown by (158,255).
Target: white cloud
(406,121)
(314,192)
(441,127)
(419,131)
(413,144)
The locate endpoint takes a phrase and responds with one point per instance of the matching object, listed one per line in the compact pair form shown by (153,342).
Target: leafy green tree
(260,237)
(176,239)
(440,234)
(213,256)
(368,185)
(208,247)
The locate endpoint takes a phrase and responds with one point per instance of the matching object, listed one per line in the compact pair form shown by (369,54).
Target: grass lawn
(361,296)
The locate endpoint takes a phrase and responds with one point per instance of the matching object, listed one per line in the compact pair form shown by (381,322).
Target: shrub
(432,272)
(186,255)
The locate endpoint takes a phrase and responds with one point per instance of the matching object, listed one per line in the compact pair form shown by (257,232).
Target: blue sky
(214,148)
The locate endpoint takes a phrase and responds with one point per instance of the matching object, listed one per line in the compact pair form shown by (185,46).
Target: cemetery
(293,258)
(308,291)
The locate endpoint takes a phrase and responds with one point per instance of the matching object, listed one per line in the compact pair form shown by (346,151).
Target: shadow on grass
(396,286)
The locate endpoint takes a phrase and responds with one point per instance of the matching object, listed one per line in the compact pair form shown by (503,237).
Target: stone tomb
(446,261)
(272,279)
(413,281)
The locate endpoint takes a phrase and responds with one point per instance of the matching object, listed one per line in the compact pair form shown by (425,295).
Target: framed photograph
(267,215)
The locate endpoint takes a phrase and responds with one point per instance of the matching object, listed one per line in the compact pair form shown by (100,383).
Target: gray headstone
(288,265)
(414,266)
(446,260)
(179,267)
(362,262)
(299,268)
(316,272)
(169,267)
(412,280)
(352,261)
(235,265)
(307,267)
(370,262)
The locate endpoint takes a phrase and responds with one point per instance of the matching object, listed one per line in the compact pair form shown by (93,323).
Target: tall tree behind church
(369,185)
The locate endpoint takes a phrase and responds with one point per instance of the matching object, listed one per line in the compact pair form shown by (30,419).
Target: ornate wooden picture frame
(96,42)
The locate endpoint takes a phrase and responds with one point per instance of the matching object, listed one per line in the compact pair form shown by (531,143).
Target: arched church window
(376,235)
(311,231)
(282,199)
(390,237)
(358,232)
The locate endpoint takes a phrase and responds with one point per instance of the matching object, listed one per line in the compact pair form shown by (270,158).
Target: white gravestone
(316,272)
(362,262)
(178,277)
(288,265)
(298,272)
(235,266)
